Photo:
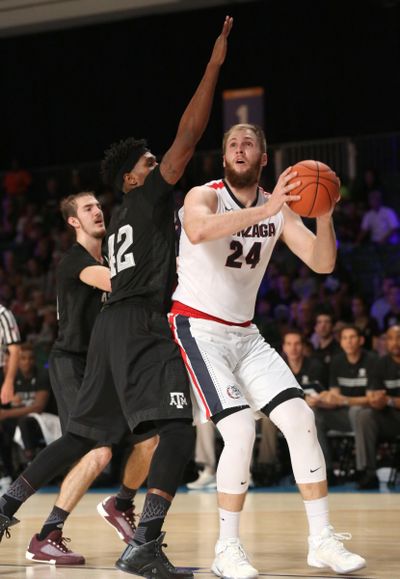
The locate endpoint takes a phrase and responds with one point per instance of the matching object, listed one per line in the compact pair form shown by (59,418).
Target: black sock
(152,518)
(55,521)
(124,498)
(19,491)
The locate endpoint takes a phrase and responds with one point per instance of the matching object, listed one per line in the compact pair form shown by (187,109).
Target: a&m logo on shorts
(233,392)
(178,399)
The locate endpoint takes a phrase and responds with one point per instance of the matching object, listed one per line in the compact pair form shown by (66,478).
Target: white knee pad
(296,421)
(238,433)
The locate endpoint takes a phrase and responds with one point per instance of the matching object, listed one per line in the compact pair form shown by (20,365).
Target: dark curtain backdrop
(329,68)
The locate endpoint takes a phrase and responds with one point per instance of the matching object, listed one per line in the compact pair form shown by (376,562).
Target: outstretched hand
(221,44)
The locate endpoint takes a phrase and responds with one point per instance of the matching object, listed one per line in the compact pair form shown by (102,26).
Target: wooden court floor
(273,532)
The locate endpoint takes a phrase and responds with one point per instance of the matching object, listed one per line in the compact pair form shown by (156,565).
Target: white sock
(317,512)
(228,524)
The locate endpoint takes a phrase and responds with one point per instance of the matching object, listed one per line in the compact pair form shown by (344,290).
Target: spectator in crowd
(304,317)
(8,219)
(350,375)
(380,223)
(323,341)
(17,181)
(29,216)
(392,317)
(348,222)
(381,305)
(305,285)
(308,371)
(368,181)
(361,318)
(381,421)
(19,300)
(31,395)
(30,323)
(283,296)
(11,273)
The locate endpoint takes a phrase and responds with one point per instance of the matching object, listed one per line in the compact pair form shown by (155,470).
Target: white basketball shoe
(327,550)
(231,561)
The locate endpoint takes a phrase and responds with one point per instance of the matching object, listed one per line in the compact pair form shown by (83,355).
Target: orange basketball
(319,189)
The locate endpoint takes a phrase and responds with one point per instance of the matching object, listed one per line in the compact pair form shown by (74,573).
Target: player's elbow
(325,268)
(195,234)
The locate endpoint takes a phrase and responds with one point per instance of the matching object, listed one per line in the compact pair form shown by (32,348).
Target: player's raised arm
(195,117)
(317,251)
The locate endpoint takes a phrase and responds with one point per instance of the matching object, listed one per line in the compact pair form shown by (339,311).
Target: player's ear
(264,159)
(223,161)
(73,221)
(130,179)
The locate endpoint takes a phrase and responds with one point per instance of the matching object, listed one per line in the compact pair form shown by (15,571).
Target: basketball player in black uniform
(134,370)
(82,282)
(308,371)
(381,421)
(350,374)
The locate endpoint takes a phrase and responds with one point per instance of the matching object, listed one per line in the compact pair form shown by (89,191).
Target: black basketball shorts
(66,373)
(134,372)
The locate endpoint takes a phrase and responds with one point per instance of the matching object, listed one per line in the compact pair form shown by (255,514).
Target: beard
(247,178)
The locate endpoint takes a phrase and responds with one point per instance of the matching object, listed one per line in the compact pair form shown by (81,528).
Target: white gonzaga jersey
(221,278)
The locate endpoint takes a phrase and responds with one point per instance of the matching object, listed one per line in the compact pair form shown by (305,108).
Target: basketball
(319,189)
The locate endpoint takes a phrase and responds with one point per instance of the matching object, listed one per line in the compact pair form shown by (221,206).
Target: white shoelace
(335,542)
(237,552)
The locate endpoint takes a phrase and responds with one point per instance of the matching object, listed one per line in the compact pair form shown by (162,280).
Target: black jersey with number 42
(141,245)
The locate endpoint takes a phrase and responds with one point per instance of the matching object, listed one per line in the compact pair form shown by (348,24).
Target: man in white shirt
(380,222)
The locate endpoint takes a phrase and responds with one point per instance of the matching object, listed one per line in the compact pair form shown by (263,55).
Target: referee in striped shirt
(9,341)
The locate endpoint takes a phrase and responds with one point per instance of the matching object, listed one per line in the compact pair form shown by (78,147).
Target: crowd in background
(363,290)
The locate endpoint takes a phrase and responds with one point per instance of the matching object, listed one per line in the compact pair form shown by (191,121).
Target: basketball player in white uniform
(230,228)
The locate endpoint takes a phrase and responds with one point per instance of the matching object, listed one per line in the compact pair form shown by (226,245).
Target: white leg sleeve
(205,445)
(297,423)
(238,433)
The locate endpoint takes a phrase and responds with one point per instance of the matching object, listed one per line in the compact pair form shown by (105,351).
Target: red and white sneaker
(122,521)
(53,550)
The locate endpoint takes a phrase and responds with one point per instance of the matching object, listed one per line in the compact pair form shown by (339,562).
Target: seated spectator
(283,295)
(349,378)
(324,343)
(392,317)
(305,284)
(381,421)
(17,181)
(347,222)
(308,371)
(8,219)
(381,306)
(26,412)
(30,323)
(380,223)
(304,317)
(361,318)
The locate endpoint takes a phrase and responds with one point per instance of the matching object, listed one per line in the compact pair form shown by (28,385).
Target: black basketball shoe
(150,561)
(5,523)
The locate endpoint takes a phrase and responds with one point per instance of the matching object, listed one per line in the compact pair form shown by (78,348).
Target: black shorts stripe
(203,381)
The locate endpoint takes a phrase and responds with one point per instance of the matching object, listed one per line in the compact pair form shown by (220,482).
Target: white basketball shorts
(229,366)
